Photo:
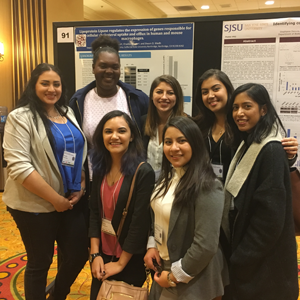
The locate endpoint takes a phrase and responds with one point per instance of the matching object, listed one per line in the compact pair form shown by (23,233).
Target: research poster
(146,51)
(267,52)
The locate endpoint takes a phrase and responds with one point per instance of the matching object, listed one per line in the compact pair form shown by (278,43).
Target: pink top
(109,197)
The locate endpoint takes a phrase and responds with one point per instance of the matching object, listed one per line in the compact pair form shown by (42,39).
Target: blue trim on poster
(135,55)
(186,98)
(139,37)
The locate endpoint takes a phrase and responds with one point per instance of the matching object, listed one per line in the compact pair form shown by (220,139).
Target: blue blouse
(71,176)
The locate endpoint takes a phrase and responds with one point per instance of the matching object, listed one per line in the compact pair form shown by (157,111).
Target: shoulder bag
(120,290)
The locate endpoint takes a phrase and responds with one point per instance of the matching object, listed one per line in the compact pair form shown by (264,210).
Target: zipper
(133,116)
(79,112)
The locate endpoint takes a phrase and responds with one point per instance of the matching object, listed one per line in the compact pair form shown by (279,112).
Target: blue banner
(139,37)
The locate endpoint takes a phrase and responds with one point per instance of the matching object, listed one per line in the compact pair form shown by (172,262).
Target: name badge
(158,234)
(68,159)
(107,228)
(218,170)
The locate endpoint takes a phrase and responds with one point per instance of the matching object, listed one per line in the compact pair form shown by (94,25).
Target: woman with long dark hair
(214,89)
(187,206)
(258,219)
(45,151)
(118,150)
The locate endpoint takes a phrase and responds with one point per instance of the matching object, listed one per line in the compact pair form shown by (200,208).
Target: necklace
(219,132)
(114,177)
(54,117)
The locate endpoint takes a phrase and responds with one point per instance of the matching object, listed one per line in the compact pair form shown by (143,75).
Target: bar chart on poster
(289,85)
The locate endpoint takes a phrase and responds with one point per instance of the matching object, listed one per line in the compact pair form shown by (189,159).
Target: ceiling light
(269,2)
(205,7)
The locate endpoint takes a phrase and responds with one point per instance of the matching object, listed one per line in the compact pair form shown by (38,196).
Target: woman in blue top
(45,151)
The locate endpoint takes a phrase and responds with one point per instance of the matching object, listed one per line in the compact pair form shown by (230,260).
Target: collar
(179,172)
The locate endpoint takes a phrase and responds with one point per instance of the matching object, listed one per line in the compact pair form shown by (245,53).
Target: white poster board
(267,52)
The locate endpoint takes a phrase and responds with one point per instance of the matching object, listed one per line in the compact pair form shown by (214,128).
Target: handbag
(295,184)
(120,290)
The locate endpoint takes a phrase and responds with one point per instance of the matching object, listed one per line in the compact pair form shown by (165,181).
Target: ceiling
(148,9)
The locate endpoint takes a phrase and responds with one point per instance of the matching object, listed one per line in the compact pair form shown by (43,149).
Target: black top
(263,235)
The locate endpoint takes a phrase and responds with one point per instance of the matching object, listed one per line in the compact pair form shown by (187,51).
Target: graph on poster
(289,84)
(289,92)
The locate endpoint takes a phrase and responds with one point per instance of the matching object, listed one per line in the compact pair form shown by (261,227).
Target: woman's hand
(290,145)
(75,197)
(152,254)
(112,268)
(162,279)
(98,268)
(62,204)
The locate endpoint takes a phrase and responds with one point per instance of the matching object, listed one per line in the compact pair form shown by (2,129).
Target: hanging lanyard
(64,136)
(220,147)
(68,157)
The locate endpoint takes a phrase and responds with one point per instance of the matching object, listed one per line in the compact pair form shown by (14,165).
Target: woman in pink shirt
(118,150)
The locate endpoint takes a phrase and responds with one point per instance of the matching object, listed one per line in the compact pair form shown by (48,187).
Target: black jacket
(263,263)
(137,102)
(134,235)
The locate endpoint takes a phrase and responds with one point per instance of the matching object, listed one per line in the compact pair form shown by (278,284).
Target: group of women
(196,234)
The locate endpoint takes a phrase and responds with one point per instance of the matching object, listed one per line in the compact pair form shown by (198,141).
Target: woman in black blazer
(117,153)
(257,218)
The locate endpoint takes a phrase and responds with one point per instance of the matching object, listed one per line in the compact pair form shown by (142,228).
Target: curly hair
(104,43)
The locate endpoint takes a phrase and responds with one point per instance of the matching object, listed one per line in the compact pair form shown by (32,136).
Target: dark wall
(207,41)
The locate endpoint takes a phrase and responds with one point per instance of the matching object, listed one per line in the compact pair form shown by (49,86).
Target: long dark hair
(30,98)
(152,120)
(206,118)
(199,175)
(260,95)
(101,158)
(104,43)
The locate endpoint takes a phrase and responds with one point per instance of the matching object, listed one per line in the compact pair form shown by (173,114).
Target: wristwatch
(93,256)
(170,281)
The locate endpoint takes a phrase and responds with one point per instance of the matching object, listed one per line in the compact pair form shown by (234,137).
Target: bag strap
(125,210)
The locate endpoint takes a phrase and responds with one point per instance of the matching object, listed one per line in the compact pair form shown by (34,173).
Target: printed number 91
(65,35)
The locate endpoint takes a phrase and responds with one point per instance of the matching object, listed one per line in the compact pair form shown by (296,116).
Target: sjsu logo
(233,27)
